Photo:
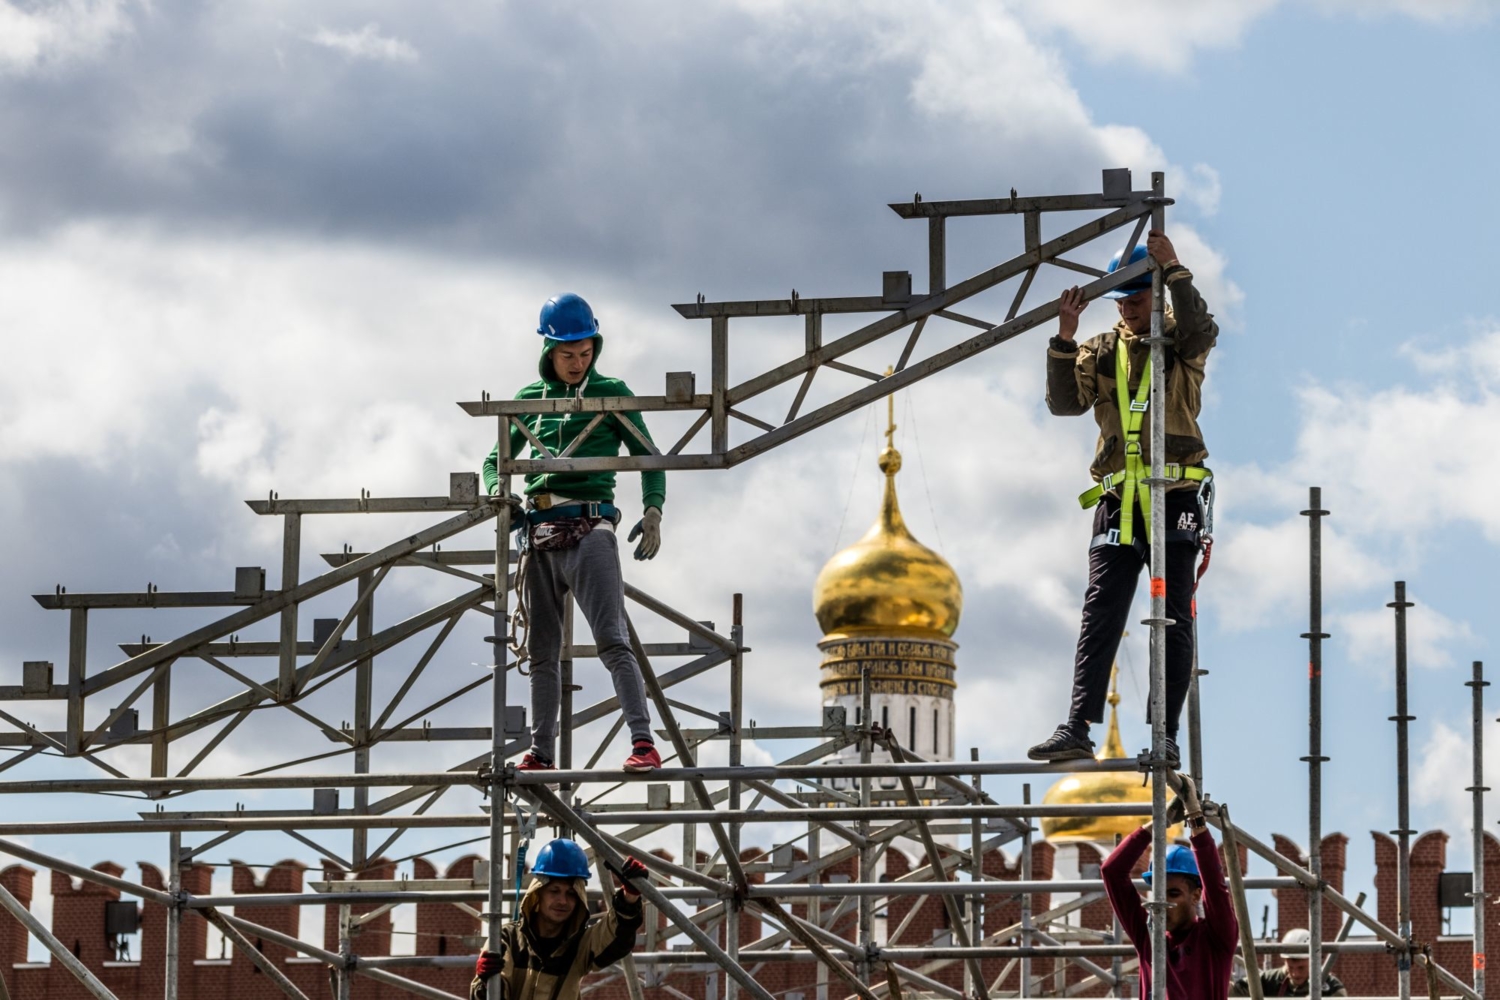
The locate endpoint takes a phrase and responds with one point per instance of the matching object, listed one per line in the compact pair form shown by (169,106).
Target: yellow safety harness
(1136,471)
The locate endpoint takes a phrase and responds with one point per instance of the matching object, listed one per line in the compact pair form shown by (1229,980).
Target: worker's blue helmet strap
(567,317)
(1141,284)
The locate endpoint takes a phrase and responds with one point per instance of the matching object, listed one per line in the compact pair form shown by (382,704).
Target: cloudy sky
(265,247)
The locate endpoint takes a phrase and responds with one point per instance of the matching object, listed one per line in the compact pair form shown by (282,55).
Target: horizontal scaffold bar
(855,813)
(187,823)
(795,954)
(925,769)
(447,778)
(779,890)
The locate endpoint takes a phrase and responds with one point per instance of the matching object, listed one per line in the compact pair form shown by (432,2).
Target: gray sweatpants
(591,570)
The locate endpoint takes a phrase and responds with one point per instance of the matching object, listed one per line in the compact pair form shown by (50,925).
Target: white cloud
(1265,565)
(31,39)
(366,43)
(1160,34)
(1406,464)
(1200,185)
(1370,637)
(1166,35)
(1435,11)
(1442,774)
(1417,456)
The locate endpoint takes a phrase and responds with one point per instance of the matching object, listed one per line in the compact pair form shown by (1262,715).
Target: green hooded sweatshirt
(554,969)
(557,431)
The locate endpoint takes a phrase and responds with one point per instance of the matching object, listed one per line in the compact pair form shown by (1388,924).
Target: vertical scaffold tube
(1027,939)
(1315,636)
(1195,711)
(732,915)
(1478,684)
(1403,799)
(976,876)
(866,851)
(1158,620)
(495,918)
(174,912)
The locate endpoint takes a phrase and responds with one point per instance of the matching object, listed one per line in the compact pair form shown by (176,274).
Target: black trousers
(1114,572)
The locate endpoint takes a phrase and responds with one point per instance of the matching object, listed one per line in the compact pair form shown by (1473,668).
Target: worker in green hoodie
(569,532)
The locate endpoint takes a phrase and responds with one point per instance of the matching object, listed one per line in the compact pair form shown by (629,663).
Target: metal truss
(940,807)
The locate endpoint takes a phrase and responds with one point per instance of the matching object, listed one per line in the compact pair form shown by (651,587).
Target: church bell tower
(888,605)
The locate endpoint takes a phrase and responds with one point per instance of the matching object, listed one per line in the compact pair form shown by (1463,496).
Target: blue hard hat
(1180,861)
(1141,284)
(561,859)
(567,317)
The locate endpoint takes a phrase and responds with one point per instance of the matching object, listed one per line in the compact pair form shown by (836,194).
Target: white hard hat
(1297,936)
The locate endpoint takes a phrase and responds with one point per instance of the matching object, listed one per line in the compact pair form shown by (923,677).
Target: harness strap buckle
(1139,405)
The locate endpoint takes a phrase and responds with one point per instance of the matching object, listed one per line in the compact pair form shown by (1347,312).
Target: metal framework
(839,830)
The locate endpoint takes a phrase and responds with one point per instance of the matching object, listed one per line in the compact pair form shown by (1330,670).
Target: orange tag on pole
(1158,586)
(1479,961)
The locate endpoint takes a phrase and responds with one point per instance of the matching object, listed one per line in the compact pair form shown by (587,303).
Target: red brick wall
(79,916)
(442,927)
(1292,903)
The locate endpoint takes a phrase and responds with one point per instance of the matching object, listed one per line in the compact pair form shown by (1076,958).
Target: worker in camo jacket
(550,947)
(1110,374)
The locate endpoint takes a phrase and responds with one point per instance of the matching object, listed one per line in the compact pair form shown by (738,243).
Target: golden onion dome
(1100,787)
(888,582)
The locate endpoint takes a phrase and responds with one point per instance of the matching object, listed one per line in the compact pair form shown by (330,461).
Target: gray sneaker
(1063,745)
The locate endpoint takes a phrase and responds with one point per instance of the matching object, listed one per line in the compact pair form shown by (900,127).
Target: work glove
(648,530)
(517,505)
(1187,804)
(631,869)
(490,964)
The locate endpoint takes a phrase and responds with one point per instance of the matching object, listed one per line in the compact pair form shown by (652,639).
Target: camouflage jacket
(555,970)
(1081,377)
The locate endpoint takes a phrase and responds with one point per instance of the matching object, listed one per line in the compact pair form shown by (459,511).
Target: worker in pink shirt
(1200,949)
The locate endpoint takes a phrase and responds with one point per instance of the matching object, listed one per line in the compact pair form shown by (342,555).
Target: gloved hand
(648,530)
(1186,805)
(631,869)
(517,505)
(490,964)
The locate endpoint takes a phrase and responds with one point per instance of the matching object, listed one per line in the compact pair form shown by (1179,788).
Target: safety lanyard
(526,828)
(1131,413)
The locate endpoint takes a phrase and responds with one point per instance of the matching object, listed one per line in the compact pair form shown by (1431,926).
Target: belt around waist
(1172,471)
(589,510)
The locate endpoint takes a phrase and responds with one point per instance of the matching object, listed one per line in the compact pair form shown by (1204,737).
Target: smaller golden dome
(888,581)
(1102,788)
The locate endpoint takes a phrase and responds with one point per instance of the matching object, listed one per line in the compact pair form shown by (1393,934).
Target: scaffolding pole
(500,639)
(1315,759)
(1477,789)
(1403,832)
(1158,621)
(174,913)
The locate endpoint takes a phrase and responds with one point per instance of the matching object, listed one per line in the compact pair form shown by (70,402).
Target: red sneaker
(645,758)
(532,762)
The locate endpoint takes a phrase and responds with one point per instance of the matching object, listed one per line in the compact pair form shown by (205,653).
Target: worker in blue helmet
(554,943)
(1109,375)
(1200,949)
(569,544)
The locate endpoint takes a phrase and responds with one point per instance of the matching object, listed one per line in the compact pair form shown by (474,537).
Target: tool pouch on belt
(561,533)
